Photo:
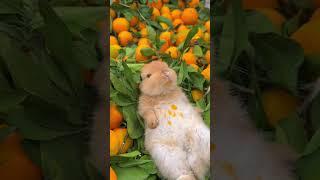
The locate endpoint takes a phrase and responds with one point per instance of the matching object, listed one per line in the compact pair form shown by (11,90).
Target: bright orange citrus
(189,58)
(120,24)
(125,38)
(115,117)
(189,16)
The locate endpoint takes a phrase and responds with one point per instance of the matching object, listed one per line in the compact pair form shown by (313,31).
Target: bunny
(175,135)
(241,153)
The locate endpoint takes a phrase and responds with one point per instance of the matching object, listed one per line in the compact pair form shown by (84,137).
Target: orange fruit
(114,143)
(306,37)
(113,175)
(189,16)
(120,24)
(134,21)
(315,15)
(113,40)
(156,4)
(114,51)
(253,4)
(207,56)
(206,73)
(141,25)
(189,58)
(165,10)
(125,38)
(176,14)
(196,94)
(14,162)
(124,139)
(173,52)
(182,28)
(198,35)
(167,15)
(177,22)
(115,117)
(193,3)
(20,168)
(207,25)
(112,13)
(166,36)
(155,13)
(206,37)
(196,67)
(181,36)
(144,41)
(138,54)
(144,32)
(278,104)
(164,47)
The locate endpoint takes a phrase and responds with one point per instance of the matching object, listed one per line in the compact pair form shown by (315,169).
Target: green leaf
(206,117)
(190,35)
(132,173)
(10,99)
(292,128)
(234,38)
(20,65)
(58,39)
(55,73)
(32,130)
(314,113)
(165,20)
(308,166)
(85,54)
(64,158)
(80,18)
(182,73)
(147,52)
(135,130)
(11,7)
(281,57)
(152,35)
(133,163)
(121,100)
(197,80)
(259,23)
(197,51)
(129,76)
(119,85)
(313,145)
(130,154)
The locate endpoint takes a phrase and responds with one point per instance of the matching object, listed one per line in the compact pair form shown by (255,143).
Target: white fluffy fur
(180,144)
(241,153)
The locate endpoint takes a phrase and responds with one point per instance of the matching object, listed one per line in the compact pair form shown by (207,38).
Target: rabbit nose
(166,72)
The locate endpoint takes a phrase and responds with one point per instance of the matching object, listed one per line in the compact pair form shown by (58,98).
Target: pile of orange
(134,33)
(120,141)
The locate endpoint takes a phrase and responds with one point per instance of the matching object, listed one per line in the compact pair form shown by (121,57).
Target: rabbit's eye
(148,75)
